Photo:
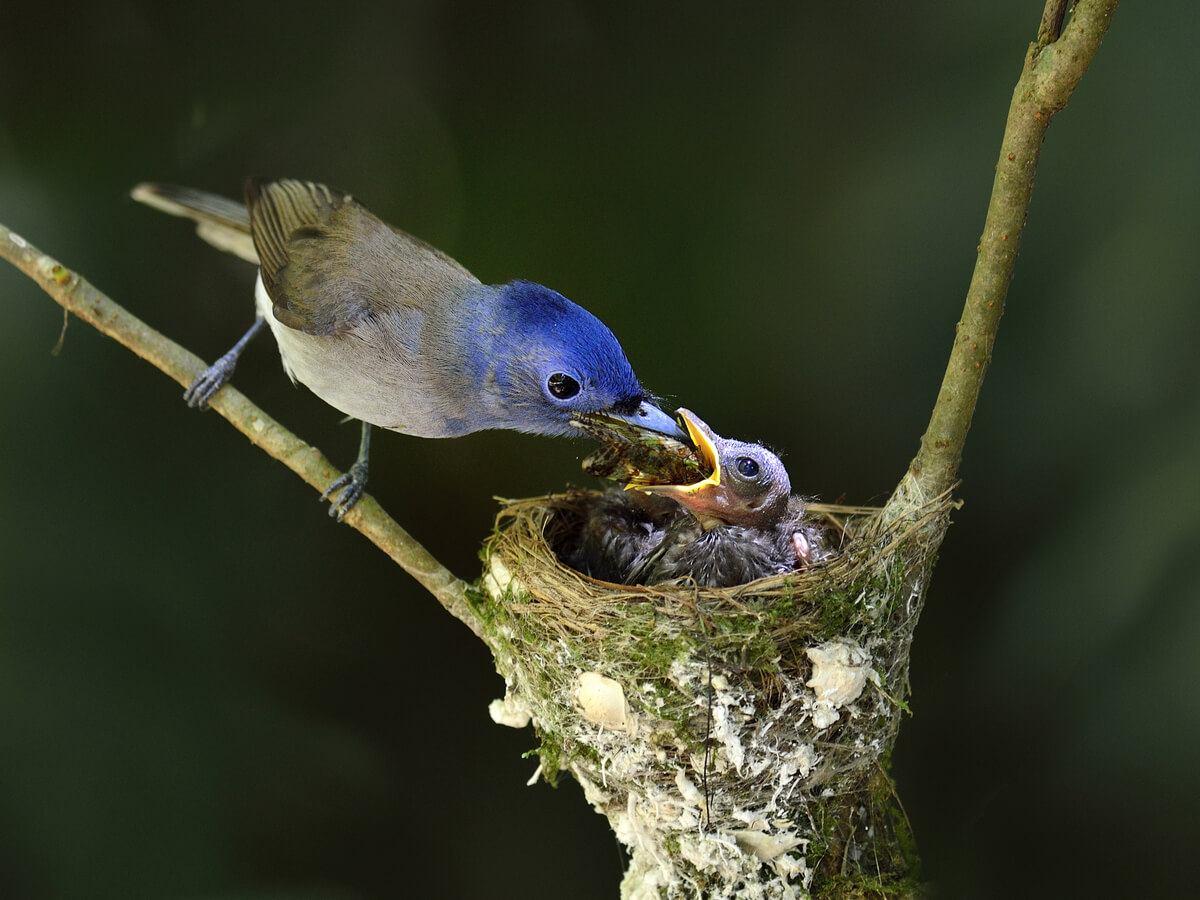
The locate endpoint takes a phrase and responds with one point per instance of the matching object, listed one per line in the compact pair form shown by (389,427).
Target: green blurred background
(209,690)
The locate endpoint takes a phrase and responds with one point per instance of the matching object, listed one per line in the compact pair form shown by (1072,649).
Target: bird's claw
(803,548)
(209,381)
(352,485)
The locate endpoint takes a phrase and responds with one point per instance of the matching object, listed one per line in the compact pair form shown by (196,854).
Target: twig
(76,295)
(1053,66)
(1052,22)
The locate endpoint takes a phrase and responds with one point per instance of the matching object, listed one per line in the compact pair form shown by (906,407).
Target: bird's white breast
(363,373)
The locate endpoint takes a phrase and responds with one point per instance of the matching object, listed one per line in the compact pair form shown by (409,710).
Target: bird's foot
(810,547)
(210,381)
(803,548)
(352,485)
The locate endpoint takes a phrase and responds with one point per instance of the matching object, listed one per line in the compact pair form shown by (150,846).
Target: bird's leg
(210,380)
(353,482)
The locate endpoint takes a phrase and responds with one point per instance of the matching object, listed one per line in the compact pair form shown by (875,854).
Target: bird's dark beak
(650,418)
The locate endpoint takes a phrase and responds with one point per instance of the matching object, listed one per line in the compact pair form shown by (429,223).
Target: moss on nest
(738,737)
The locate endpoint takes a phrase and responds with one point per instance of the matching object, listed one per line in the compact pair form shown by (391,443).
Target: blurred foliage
(210,690)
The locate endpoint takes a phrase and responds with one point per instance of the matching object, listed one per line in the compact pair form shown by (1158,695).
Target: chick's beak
(702,496)
(651,418)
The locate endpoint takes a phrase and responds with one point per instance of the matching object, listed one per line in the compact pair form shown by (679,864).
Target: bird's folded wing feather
(327,262)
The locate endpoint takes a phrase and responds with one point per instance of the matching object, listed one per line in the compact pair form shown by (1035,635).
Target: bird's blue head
(553,361)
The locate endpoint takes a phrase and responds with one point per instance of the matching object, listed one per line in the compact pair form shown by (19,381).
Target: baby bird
(391,331)
(620,530)
(748,484)
(743,523)
(728,555)
(733,526)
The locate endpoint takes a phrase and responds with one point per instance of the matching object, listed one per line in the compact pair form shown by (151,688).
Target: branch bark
(1053,66)
(76,295)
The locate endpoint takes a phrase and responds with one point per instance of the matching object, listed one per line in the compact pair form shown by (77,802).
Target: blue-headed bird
(395,333)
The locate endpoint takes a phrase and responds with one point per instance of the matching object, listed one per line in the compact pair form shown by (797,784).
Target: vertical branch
(1053,66)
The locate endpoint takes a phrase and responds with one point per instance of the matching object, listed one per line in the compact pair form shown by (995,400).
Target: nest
(735,737)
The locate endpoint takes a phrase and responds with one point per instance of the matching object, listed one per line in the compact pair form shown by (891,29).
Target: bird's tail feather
(221,222)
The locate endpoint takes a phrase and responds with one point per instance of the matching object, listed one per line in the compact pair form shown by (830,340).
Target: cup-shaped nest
(720,730)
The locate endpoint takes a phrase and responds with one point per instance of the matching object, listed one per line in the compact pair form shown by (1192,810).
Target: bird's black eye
(747,466)
(562,386)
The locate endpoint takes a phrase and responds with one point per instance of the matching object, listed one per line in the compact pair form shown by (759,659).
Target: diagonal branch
(76,295)
(1053,66)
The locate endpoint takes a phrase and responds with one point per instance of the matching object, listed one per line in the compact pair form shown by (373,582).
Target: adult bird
(395,333)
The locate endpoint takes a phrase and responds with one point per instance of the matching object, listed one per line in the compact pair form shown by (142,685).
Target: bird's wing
(221,222)
(327,262)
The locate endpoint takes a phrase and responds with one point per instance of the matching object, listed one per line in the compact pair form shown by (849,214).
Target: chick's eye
(562,386)
(747,466)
